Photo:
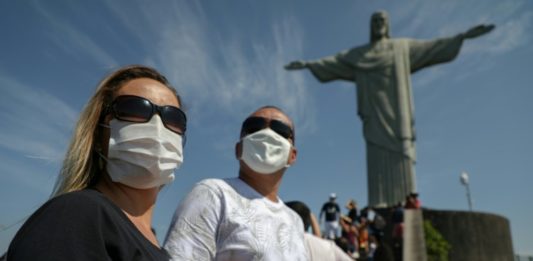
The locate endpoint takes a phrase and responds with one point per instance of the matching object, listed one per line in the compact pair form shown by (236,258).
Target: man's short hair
(302,210)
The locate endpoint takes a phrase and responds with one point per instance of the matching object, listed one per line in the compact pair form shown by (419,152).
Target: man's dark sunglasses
(138,109)
(254,124)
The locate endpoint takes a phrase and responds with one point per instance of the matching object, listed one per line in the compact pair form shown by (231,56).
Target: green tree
(436,246)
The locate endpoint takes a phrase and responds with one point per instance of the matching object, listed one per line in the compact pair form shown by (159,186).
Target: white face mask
(265,151)
(143,155)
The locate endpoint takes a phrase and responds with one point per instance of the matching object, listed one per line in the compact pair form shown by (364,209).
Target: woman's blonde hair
(81,167)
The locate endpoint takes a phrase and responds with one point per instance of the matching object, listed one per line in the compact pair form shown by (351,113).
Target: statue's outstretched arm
(296,65)
(477,31)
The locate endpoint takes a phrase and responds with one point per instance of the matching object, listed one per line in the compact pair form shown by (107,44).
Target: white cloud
(37,177)
(512,19)
(72,40)
(508,35)
(35,131)
(34,123)
(222,72)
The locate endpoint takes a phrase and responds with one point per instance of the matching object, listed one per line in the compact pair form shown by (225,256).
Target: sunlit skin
(266,185)
(137,204)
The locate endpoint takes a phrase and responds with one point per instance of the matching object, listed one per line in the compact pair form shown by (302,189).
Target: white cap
(332,195)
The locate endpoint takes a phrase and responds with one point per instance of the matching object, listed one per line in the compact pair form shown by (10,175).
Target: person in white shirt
(243,218)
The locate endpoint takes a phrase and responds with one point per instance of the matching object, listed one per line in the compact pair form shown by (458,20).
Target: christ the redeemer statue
(382,71)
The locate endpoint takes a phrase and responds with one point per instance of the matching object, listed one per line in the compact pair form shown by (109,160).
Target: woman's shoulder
(84,195)
(74,207)
(61,220)
(82,200)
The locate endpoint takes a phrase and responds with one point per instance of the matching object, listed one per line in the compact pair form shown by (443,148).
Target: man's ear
(238,150)
(292,156)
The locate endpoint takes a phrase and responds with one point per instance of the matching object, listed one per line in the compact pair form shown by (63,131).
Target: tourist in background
(351,205)
(332,213)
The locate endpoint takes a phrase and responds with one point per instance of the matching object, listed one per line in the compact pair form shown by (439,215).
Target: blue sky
(226,59)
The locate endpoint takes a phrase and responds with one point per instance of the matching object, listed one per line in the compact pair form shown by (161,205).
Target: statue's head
(379,26)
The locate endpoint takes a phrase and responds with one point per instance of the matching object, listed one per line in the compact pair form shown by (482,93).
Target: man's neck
(266,185)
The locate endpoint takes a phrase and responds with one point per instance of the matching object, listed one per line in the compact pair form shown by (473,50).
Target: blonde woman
(126,145)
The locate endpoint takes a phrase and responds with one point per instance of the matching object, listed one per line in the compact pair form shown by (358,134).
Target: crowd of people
(360,234)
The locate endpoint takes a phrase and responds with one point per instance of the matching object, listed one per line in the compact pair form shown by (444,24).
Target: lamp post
(465,182)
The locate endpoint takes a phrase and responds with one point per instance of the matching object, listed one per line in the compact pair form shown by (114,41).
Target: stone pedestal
(414,245)
(473,235)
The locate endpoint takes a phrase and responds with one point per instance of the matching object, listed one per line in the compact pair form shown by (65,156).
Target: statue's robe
(381,71)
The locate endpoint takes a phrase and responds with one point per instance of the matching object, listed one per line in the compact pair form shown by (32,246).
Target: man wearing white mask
(243,218)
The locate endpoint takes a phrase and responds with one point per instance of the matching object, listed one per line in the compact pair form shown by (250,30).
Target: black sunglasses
(254,124)
(138,109)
